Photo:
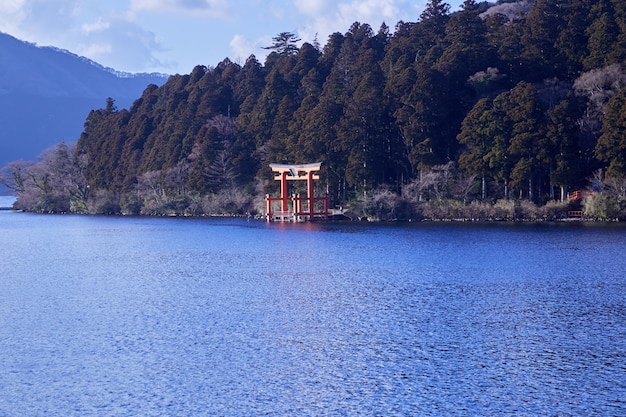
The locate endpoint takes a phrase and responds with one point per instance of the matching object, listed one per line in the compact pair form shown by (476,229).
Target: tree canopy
(528,97)
(285,43)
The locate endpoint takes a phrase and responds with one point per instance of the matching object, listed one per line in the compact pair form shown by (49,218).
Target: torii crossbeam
(288,172)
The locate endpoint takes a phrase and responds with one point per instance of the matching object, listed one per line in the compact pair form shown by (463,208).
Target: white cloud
(94,50)
(12,15)
(122,44)
(312,8)
(98,26)
(325,17)
(370,11)
(41,21)
(214,8)
(11,6)
(132,35)
(102,33)
(242,48)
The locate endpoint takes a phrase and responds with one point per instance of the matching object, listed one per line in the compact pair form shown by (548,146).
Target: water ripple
(160,317)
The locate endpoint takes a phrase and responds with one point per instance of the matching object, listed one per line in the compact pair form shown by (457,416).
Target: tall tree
(430,31)
(572,39)
(540,58)
(364,128)
(603,35)
(527,144)
(285,43)
(466,48)
(499,129)
(611,147)
(563,133)
(477,134)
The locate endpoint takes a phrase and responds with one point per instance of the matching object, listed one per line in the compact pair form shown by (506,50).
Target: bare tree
(13,174)
(598,86)
(176,178)
(617,186)
(463,186)
(224,125)
(221,173)
(149,185)
(512,11)
(597,181)
(435,183)
(55,183)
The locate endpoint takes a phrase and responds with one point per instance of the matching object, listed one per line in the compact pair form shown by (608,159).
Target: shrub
(103,202)
(503,210)
(555,210)
(443,210)
(228,202)
(384,205)
(526,210)
(132,205)
(605,207)
(479,210)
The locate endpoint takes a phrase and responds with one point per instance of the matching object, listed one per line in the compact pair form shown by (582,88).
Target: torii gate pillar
(284,191)
(296,172)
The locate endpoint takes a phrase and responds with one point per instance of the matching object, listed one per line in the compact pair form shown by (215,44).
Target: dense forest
(493,111)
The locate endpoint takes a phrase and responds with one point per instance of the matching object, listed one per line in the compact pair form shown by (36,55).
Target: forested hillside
(516,101)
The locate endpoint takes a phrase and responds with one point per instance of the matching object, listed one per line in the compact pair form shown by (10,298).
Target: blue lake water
(6,201)
(114,316)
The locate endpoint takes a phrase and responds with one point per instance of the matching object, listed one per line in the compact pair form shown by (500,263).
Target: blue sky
(173,36)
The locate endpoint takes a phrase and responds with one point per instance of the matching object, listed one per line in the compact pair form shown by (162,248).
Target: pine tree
(563,133)
(539,32)
(466,50)
(284,44)
(477,137)
(527,145)
(611,147)
(603,36)
(572,39)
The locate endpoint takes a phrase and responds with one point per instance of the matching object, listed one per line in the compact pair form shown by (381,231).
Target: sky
(173,36)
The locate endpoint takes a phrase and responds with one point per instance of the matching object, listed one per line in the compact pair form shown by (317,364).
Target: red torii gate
(296,212)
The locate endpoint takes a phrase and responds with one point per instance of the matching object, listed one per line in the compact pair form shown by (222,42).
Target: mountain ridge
(47,92)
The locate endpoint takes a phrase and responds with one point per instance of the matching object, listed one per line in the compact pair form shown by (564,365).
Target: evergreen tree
(562,132)
(499,129)
(421,114)
(280,147)
(364,128)
(611,147)
(318,142)
(307,60)
(572,39)
(261,118)
(431,30)
(467,50)
(379,109)
(510,49)
(477,136)
(248,90)
(527,144)
(540,31)
(284,44)
(603,36)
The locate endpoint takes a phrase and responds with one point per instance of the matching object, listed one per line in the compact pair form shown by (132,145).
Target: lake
(6,201)
(121,316)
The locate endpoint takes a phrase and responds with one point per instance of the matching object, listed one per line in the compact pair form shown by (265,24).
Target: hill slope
(468,107)
(46,94)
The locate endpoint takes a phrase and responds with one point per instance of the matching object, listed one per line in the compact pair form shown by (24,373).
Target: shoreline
(344,219)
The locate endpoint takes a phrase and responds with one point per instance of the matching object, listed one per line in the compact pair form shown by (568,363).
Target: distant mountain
(46,94)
